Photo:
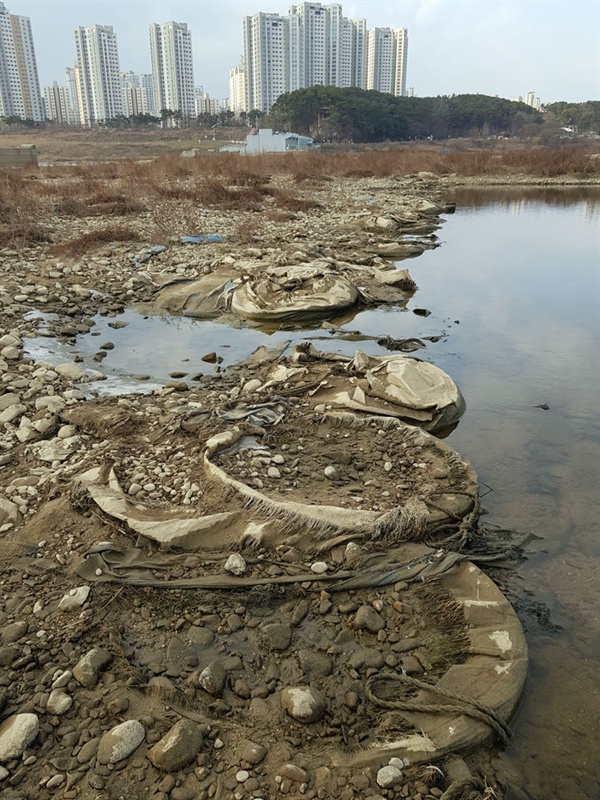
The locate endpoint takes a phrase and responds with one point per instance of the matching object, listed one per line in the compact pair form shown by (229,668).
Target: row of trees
(584,117)
(328,113)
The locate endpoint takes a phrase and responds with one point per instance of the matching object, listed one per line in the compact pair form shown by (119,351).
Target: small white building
(265,141)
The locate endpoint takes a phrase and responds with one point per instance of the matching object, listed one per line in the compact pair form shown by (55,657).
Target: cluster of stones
(77,723)
(70,725)
(373,468)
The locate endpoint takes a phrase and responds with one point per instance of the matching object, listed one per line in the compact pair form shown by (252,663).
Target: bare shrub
(249,231)
(90,241)
(291,202)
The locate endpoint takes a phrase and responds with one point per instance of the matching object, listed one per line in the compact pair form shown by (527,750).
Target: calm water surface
(514,295)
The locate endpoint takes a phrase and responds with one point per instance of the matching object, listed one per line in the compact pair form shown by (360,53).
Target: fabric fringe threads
(407,523)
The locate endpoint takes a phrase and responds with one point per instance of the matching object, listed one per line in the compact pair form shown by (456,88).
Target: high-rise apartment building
(59,105)
(359,53)
(379,60)
(172,68)
(147,84)
(19,84)
(338,47)
(387,56)
(315,45)
(237,89)
(265,60)
(400,62)
(97,75)
(311,42)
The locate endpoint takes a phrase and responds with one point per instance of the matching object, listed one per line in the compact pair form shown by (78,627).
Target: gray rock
(178,748)
(293,773)
(70,371)
(367,619)
(58,703)
(17,733)
(315,665)
(277,636)
(251,752)
(7,656)
(213,678)
(121,741)
(388,777)
(13,632)
(88,751)
(367,657)
(303,703)
(12,413)
(88,668)
(8,399)
(74,599)
(235,564)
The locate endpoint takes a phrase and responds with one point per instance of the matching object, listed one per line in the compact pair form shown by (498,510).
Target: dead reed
(170,191)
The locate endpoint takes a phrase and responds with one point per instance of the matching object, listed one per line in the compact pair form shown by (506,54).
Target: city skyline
(549,48)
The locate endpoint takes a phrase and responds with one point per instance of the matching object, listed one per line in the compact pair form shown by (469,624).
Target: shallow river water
(514,297)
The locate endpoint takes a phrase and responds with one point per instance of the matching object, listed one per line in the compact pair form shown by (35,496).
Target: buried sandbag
(209,296)
(258,292)
(175,528)
(297,291)
(414,391)
(372,476)
(457,642)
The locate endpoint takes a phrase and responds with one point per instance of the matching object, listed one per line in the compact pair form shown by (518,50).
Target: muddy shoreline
(209,668)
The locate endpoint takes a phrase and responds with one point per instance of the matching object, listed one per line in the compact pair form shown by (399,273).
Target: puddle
(160,346)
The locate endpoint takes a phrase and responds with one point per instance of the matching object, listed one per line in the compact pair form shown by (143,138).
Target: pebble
(74,599)
(88,668)
(303,703)
(236,564)
(59,702)
(388,777)
(213,678)
(319,567)
(178,748)
(17,733)
(121,741)
(368,619)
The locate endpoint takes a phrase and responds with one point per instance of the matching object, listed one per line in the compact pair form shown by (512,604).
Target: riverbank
(81,243)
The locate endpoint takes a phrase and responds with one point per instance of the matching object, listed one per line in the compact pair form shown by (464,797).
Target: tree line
(328,113)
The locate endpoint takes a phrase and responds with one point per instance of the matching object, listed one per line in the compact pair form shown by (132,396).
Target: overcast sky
(495,47)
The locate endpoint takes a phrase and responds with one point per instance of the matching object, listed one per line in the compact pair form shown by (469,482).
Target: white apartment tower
(379,60)
(338,48)
(359,53)
(311,42)
(97,75)
(19,84)
(237,89)
(400,62)
(264,57)
(314,45)
(387,56)
(147,84)
(172,68)
(59,105)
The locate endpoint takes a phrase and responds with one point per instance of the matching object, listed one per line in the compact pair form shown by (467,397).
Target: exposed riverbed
(513,296)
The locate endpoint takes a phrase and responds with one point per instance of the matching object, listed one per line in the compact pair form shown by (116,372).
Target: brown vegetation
(165,196)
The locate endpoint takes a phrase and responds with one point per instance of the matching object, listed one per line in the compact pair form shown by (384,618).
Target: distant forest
(330,114)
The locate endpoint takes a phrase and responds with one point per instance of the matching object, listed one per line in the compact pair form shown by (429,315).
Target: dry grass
(90,241)
(165,196)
